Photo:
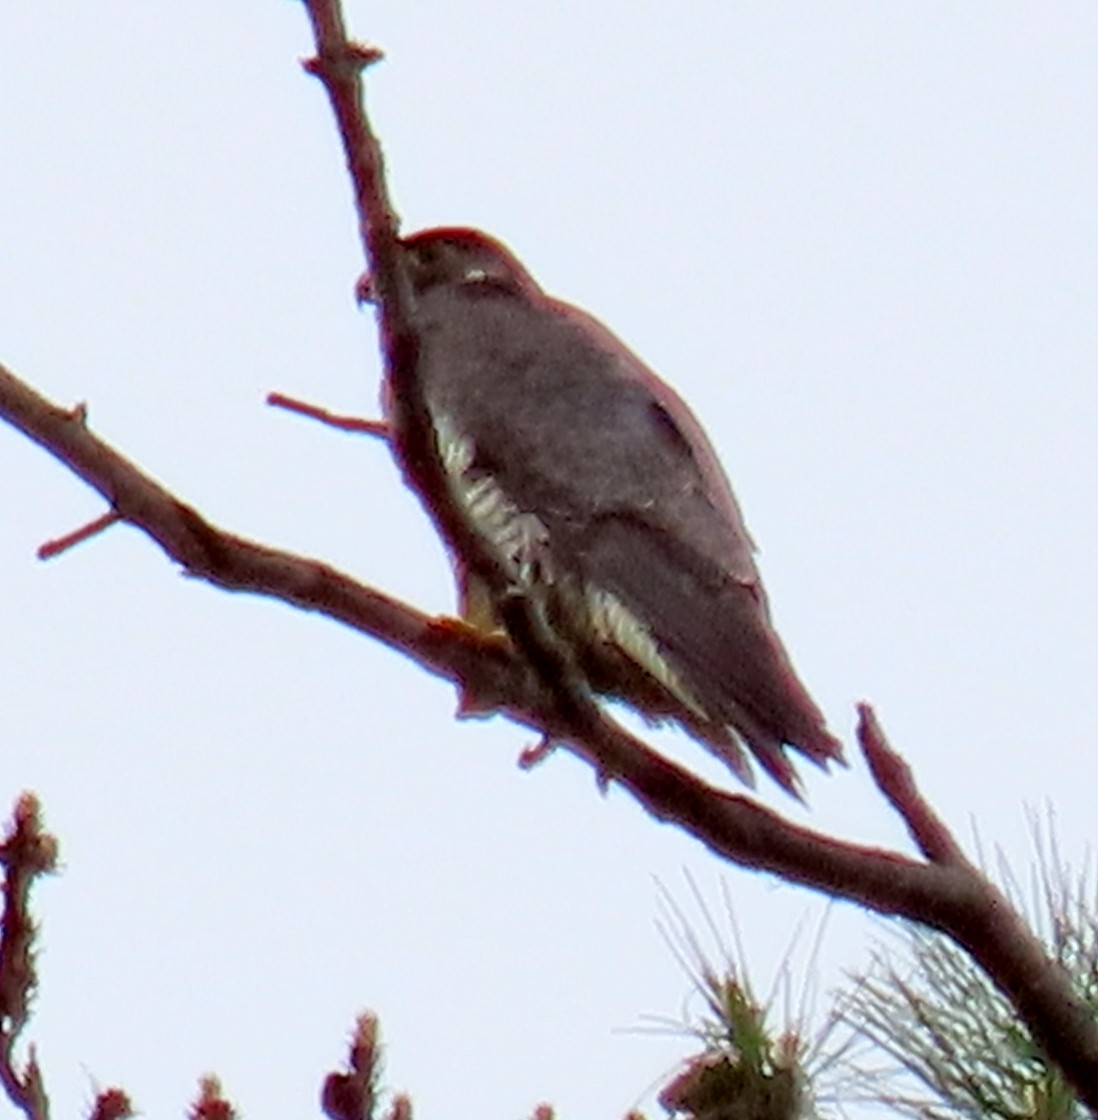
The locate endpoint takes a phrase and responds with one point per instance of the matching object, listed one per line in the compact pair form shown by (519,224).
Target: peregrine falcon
(592,486)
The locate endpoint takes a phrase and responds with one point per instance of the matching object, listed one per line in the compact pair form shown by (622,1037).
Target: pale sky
(859,238)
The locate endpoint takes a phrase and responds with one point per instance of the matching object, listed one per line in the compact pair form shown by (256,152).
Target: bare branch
(731,825)
(49,549)
(484,669)
(356,424)
(895,780)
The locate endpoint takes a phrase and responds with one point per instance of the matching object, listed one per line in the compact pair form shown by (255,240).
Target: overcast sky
(860,239)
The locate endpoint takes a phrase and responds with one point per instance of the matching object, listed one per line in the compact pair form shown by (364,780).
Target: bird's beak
(365,292)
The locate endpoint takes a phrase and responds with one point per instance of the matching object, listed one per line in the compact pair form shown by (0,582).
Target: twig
(895,780)
(49,549)
(357,424)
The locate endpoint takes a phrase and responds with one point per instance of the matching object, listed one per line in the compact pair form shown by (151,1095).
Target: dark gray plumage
(594,487)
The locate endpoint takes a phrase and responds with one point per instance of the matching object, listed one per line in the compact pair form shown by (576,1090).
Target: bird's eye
(668,429)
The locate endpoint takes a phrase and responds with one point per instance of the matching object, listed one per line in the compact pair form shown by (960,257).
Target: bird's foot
(447,626)
(535,755)
(495,642)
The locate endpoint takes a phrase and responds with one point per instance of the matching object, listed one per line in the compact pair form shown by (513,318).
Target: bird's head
(465,258)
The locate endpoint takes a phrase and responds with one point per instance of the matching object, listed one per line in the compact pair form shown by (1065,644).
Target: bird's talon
(447,626)
(538,753)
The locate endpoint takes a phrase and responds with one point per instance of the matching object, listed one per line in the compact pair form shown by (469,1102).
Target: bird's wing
(675,426)
(713,634)
(574,458)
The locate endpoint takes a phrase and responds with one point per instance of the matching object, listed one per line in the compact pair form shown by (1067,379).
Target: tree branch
(895,780)
(957,898)
(947,896)
(356,424)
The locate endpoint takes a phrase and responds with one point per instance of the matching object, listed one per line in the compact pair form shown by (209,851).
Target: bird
(593,488)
